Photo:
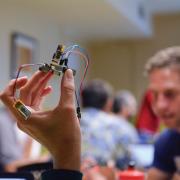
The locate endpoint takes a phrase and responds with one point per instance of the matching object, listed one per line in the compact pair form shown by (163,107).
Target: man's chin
(168,122)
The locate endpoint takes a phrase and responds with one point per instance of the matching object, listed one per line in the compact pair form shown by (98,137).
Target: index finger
(6,95)
(37,76)
(8,91)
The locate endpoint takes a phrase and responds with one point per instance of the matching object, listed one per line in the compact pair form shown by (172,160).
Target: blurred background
(118,34)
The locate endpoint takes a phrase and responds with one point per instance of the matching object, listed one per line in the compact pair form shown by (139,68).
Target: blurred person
(125,104)
(57,129)
(14,152)
(10,149)
(163,70)
(125,107)
(102,138)
(147,121)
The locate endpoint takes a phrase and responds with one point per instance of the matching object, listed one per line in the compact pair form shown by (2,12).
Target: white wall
(17,19)
(13,19)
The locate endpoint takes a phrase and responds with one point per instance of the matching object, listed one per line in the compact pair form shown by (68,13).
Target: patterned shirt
(103,137)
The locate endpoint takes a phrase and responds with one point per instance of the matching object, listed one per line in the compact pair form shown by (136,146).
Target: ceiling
(100,19)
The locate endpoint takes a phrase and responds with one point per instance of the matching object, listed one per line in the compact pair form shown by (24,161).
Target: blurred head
(97,94)
(163,70)
(124,104)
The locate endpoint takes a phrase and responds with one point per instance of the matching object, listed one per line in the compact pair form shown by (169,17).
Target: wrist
(67,157)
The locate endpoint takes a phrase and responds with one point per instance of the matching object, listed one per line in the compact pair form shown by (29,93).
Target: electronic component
(58,66)
(22,109)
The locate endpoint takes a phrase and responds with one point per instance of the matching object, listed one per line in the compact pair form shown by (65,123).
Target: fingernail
(69,74)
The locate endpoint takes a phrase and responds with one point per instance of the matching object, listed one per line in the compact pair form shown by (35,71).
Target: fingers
(67,90)
(46,91)
(34,80)
(7,94)
(41,88)
(30,93)
(36,103)
(8,91)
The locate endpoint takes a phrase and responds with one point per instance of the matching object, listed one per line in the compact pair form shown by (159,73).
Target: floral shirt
(103,137)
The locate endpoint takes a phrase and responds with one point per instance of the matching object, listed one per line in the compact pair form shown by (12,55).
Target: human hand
(57,129)
(32,93)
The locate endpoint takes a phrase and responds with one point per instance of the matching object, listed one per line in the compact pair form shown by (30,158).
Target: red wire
(86,60)
(17,76)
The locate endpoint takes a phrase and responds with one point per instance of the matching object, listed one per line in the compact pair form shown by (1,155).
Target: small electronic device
(58,66)
(22,109)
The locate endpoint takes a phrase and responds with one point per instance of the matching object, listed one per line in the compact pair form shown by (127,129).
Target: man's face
(165,87)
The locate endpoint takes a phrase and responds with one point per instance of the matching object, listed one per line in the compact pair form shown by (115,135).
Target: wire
(82,53)
(18,73)
(86,60)
(71,48)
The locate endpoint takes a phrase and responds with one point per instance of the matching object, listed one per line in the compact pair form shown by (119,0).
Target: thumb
(67,90)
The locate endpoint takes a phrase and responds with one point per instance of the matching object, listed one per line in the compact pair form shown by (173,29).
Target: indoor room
(89,88)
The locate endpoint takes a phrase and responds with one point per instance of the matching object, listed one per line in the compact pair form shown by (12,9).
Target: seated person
(57,129)
(164,84)
(124,107)
(103,137)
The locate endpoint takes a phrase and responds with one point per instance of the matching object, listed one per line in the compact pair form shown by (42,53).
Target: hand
(57,129)
(32,93)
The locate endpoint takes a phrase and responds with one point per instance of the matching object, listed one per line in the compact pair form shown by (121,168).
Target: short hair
(166,58)
(96,94)
(123,98)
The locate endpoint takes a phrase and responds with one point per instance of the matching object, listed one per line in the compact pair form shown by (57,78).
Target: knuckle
(69,87)
(69,108)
